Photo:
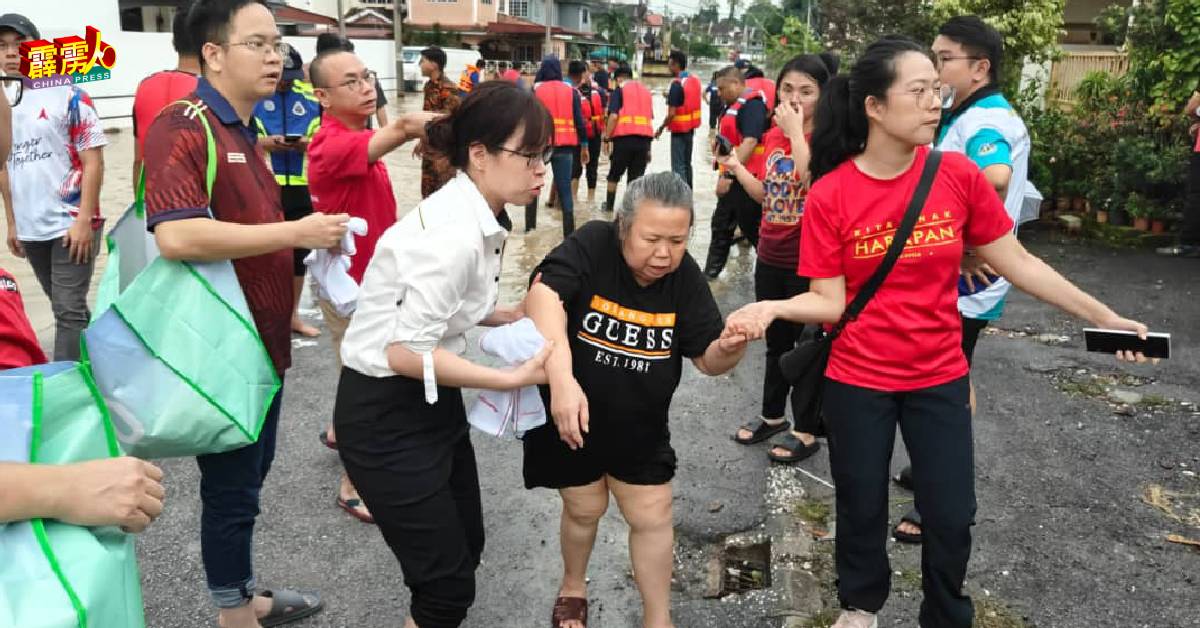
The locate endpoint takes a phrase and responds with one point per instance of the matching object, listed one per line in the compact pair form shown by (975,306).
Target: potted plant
(1138,208)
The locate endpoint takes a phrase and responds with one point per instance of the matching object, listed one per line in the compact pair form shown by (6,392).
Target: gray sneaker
(852,618)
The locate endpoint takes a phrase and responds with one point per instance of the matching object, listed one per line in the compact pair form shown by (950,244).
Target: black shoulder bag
(804,366)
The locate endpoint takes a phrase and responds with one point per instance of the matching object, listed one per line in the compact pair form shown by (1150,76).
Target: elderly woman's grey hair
(662,188)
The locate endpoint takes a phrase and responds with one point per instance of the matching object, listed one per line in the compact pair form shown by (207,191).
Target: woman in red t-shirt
(901,361)
(781,193)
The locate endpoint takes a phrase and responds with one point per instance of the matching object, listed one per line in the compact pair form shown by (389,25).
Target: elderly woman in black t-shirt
(624,303)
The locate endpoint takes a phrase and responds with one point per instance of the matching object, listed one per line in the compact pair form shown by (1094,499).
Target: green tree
(1164,62)
(764,16)
(792,40)
(616,28)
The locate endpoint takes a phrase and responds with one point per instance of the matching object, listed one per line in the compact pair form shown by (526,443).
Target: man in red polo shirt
(241,54)
(346,173)
(163,88)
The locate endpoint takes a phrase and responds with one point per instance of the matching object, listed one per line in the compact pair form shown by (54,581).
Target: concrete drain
(740,568)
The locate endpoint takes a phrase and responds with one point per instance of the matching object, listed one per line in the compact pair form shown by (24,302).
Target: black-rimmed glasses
(531,159)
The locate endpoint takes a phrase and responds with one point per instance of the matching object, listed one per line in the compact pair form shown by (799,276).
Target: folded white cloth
(495,411)
(331,271)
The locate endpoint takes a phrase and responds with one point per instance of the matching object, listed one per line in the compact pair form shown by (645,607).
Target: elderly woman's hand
(569,407)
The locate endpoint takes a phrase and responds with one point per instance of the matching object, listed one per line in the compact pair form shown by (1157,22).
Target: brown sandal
(569,609)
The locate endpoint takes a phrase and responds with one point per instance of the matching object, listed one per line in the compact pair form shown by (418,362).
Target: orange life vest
(687,116)
(637,112)
(767,87)
(558,97)
(593,112)
(465,84)
(757,162)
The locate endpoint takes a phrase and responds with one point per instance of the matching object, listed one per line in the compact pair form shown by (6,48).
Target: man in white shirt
(51,189)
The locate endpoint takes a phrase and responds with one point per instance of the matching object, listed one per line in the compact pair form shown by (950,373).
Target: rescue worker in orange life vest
(744,122)
(629,132)
(683,115)
(570,137)
(593,115)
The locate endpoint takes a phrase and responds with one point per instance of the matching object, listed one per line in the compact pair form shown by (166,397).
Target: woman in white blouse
(400,420)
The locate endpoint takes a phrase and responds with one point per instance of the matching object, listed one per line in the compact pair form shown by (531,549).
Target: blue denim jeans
(681,155)
(561,164)
(229,487)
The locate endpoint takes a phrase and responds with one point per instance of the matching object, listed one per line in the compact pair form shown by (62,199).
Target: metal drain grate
(746,568)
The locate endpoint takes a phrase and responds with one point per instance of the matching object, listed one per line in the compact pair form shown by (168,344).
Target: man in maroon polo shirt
(241,55)
(346,173)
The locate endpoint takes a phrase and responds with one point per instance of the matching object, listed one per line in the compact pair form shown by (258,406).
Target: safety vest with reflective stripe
(687,116)
(593,113)
(558,97)
(296,112)
(636,116)
(757,162)
(767,87)
(465,84)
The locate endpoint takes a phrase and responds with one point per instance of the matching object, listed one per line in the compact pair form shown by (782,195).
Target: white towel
(495,411)
(331,271)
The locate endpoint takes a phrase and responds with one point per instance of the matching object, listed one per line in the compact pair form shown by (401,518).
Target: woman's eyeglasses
(532,159)
(13,88)
(928,94)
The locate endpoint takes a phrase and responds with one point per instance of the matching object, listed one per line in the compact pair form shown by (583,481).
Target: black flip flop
(324,438)
(288,606)
(797,450)
(760,432)
(904,478)
(914,518)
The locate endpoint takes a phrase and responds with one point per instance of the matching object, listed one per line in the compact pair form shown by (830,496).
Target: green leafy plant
(794,39)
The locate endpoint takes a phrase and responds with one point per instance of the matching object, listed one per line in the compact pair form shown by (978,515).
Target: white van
(457,60)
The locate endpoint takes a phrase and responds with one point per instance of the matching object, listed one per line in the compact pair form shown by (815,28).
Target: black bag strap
(915,205)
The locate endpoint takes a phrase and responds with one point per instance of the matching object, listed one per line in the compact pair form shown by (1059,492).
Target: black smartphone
(1156,345)
(292,139)
(724,146)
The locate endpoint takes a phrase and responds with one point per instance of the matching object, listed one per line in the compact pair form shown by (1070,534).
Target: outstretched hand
(1124,324)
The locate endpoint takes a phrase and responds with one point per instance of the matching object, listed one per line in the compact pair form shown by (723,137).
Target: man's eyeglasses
(941,60)
(927,95)
(532,159)
(13,88)
(356,84)
(262,47)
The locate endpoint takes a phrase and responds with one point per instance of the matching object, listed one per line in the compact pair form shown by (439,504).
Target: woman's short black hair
(978,38)
(679,58)
(623,70)
(437,56)
(576,68)
(489,115)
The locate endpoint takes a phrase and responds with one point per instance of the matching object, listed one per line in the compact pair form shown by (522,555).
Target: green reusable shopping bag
(174,350)
(54,574)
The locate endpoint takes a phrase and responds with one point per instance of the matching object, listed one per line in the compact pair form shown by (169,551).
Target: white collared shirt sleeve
(437,273)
